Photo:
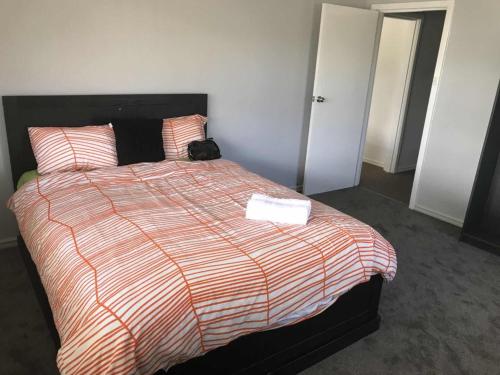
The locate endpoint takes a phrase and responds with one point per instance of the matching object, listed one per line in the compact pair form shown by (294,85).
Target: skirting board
(8,243)
(440,216)
(374,162)
(404,168)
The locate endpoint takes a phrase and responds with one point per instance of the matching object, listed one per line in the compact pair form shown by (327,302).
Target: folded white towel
(278,210)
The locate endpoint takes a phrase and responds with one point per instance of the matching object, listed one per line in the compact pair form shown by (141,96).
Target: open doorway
(407,57)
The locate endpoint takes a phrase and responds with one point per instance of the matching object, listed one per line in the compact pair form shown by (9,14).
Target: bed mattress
(151,264)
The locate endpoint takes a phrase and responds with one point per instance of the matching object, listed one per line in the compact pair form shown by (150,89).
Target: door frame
(391,164)
(423,6)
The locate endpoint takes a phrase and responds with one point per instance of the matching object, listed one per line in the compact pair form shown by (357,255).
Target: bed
(281,328)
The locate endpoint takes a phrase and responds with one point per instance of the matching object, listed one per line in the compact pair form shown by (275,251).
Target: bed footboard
(285,350)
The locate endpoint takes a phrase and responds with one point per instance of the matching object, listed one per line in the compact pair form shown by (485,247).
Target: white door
(342,88)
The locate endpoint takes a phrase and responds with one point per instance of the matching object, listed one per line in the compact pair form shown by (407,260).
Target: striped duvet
(148,265)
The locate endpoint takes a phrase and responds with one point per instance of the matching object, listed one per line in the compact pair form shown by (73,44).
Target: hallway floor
(396,186)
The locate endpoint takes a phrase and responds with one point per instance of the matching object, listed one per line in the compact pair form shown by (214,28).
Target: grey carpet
(441,315)
(25,343)
(393,185)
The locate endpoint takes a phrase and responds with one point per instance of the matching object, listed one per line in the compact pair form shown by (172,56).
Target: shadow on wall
(7,221)
(266,167)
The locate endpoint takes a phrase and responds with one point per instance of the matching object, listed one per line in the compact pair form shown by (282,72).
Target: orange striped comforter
(148,265)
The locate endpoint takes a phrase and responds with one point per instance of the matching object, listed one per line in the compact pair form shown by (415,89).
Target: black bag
(203,150)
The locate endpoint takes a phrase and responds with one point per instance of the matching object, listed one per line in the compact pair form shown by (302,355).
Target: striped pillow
(178,132)
(62,149)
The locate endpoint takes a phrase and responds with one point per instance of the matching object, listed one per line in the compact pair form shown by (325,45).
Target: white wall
(256,61)
(463,106)
(254,58)
(393,61)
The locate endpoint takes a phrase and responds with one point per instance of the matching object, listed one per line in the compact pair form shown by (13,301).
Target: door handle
(320,99)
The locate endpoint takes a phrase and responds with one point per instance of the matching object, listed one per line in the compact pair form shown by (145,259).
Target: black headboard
(22,112)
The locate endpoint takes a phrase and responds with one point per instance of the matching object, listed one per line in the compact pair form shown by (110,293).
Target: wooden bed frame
(286,350)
